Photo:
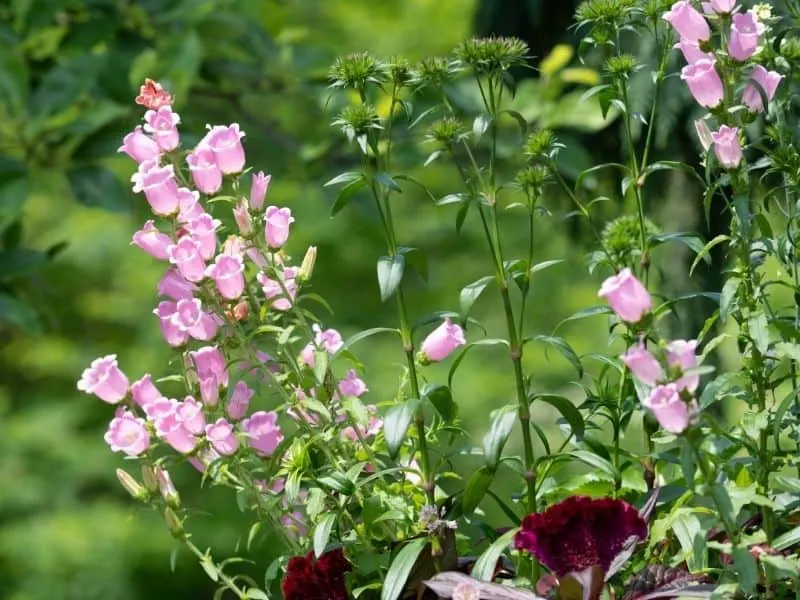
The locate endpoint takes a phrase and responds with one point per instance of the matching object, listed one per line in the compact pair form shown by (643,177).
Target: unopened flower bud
(241,310)
(703,134)
(307,266)
(174,524)
(131,486)
(149,478)
(244,221)
(167,488)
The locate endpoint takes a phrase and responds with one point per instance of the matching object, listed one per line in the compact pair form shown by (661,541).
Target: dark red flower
(322,579)
(580,532)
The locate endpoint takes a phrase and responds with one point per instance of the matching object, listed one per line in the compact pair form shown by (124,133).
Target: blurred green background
(72,288)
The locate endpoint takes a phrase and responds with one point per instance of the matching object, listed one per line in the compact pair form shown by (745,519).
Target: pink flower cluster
(702,74)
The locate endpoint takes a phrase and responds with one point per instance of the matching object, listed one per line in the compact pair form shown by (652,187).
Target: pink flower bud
(209,362)
(352,385)
(162,123)
(166,488)
(643,365)
(274,290)
(688,22)
(263,431)
(744,36)
(691,51)
(209,391)
(144,391)
(240,401)
(104,379)
(243,219)
(206,175)
(174,286)
(173,334)
(152,241)
(128,434)
(257,257)
(768,80)
(671,412)
(139,146)
(704,82)
(222,437)
(204,230)
(228,273)
(627,296)
(226,145)
(727,146)
(190,318)
(159,187)
(258,190)
(186,255)
(442,341)
(189,206)
(276,225)
(681,353)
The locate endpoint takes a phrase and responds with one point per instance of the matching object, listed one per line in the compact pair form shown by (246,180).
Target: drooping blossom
(277,222)
(329,340)
(191,415)
(153,96)
(204,230)
(352,385)
(263,431)
(205,173)
(222,437)
(152,241)
(228,275)
(258,190)
(744,36)
(727,146)
(209,390)
(190,317)
(128,434)
(580,533)
(768,80)
(240,401)
(173,334)
(139,146)
(669,409)
(441,342)
(187,256)
(681,353)
(274,290)
(626,295)
(159,186)
(104,379)
(175,286)
(691,51)
(144,391)
(321,579)
(225,143)
(209,362)
(644,366)
(162,124)
(704,82)
(688,22)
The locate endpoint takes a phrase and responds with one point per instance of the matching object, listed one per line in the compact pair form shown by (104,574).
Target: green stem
(229,583)
(709,479)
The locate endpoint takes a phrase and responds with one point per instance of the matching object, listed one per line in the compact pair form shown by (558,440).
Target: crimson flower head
(323,579)
(579,533)
(153,96)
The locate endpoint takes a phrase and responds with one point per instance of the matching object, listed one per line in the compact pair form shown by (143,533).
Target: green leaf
(442,400)
(396,422)
(562,346)
(347,193)
(400,569)
(476,488)
(585,313)
(19,314)
(386,181)
(20,262)
(14,78)
(457,360)
(787,540)
(64,84)
(481,124)
(98,187)
(390,274)
(487,562)
(362,335)
(14,190)
(727,298)
(597,462)
(545,264)
(210,568)
(322,533)
(745,565)
(256,594)
(320,365)
(416,259)
(471,292)
(780,413)
(567,409)
(782,349)
(759,332)
(338,482)
(704,251)
(497,436)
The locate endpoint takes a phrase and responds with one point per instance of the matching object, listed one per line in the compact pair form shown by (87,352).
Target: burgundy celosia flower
(580,532)
(323,579)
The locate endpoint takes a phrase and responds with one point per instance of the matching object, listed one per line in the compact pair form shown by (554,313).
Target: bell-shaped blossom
(243,218)
(144,391)
(644,366)
(257,257)
(160,408)
(189,206)
(240,401)
(173,285)
(152,241)
(153,96)
(205,173)
(579,533)
(186,254)
(228,274)
(688,22)
(727,146)
(720,7)
(282,293)
(128,434)
(258,190)
(277,222)
(768,81)
(190,317)
(159,186)
(374,426)
(235,246)
(174,335)
(682,353)
(226,145)
(704,82)
(162,123)
(190,414)
(104,379)
(329,340)
(209,362)
(263,431)
(627,296)
(744,36)
(691,51)
(204,230)
(669,409)
(222,437)
(209,390)
(352,385)
(139,146)
(441,342)
(171,429)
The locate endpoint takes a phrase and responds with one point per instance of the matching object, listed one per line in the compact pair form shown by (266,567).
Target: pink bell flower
(206,175)
(277,222)
(209,390)
(139,146)
(720,7)
(222,437)
(244,221)
(258,190)
(727,146)
(171,429)
(671,412)
(209,362)
(704,82)
(228,274)
(187,256)
(240,401)
(128,434)
(627,296)
(144,391)
(189,317)
(274,290)
(190,414)
(352,385)
(643,365)
(174,335)
(152,241)
(263,431)
(226,145)
(104,379)
(174,286)
(691,51)
(681,353)
(688,22)
(768,80)
(744,36)
(162,123)
(159,186)
(442,341)
(189,206)
(204,230)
